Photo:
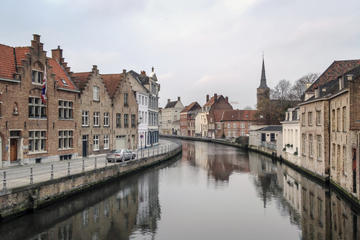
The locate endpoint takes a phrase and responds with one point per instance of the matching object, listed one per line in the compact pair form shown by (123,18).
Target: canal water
(210,192)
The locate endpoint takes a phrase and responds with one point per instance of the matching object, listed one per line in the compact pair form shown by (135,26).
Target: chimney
(215,96)
(317,92)
(143,73)
(207,97)
(178,98)
(124,71)
(341,83)
(36,37)
(152,69)
(227,99)
(57,54)
(168,100)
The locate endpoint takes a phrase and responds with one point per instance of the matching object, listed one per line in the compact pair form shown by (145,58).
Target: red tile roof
(112,82)
(81,79)
(239,115)
(191,106)
(336,69)
(61,77)
(210,102)
(7,60)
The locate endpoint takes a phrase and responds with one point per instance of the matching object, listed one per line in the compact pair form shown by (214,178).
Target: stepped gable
(10,59)
(112,82)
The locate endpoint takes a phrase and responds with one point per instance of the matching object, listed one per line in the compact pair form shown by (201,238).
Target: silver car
(120,155)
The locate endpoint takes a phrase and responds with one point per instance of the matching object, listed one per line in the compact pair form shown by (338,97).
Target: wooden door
(13,149)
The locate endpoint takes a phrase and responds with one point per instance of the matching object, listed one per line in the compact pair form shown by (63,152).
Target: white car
(120,155)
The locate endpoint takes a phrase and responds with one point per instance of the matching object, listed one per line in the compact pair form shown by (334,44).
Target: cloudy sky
(197,47)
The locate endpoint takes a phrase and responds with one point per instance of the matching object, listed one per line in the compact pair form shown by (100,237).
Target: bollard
(4,181)
(31,176)
(95,162)
(68,168)
(83,164)
(52,172)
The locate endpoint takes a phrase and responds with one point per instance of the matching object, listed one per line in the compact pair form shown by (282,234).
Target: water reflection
(259,198)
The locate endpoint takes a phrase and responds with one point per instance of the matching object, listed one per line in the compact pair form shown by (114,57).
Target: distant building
(187,119)
(170,117)
(237,123)
(267,139)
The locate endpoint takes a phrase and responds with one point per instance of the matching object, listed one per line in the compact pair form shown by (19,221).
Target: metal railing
(31,174)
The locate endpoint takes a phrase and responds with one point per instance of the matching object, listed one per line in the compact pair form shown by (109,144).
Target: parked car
(120,155)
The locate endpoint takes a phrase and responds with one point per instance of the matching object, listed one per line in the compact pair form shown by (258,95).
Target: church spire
(263,77)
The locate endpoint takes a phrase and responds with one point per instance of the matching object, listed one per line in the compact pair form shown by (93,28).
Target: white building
(142,99)
(170,117)
(291,136)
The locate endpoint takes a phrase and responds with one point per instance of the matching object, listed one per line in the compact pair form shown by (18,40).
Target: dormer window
(64,82)
(37,77)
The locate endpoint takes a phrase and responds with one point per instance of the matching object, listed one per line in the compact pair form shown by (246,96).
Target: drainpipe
(329,138)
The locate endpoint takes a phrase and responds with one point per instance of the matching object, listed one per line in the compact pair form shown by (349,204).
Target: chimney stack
(227,99)
(215,96)
(57,54)
(124,71)
(207,97)
(152,69)
(178,98)
(168,100)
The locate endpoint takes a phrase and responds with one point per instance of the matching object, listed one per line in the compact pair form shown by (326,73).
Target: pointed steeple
(263,76)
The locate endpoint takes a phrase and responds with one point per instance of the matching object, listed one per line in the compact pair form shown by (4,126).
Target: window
(333,156)
(106,141)
(318,118)
(66,139)
(311,152)
(96,143)
(303,145)
(228,125)
(333,120)
(96,119)
(242,125)
(310,118)
(37,77)
(37,109)
(344,119)
(272,137)
(96,93)
(126,120)
(133,124)
(37,141)
(106,119)
(234,125)
(85,118)
(338,158)
(118,120)
(318,150)
(338,119)
(303,119)
(126,99)
(65,109)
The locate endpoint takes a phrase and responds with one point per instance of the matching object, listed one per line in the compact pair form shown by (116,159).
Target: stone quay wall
(18,201)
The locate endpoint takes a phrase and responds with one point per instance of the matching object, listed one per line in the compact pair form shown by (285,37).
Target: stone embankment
(18,201)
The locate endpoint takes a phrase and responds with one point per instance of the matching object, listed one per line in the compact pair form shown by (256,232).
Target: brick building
(237,123)
(215,106)
(323,150)
(31,131)
(94,118)
(187,119)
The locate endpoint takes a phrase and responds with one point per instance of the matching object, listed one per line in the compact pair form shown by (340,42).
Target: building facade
(142,98)
(170,117)
(31,131)
(187,119)
(291,136)
(237,123)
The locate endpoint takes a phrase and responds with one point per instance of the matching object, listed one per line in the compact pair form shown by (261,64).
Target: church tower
(263,91)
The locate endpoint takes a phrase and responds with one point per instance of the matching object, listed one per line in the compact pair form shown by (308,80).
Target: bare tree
(282,90)
(301,84)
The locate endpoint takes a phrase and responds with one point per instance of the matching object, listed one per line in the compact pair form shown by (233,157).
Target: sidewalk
(28,174)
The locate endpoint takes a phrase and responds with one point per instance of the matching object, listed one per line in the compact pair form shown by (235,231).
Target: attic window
(64,82)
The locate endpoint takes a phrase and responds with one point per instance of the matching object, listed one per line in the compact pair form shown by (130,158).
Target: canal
(210,192)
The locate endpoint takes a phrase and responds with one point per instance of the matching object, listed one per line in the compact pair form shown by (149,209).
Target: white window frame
(66,139)
(96,118)
(96,142)
(37,138)
(39,77)
(85,118)
(106,119)
(106,142)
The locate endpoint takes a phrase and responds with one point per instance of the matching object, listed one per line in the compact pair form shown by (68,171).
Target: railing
(269,145)
(27,175)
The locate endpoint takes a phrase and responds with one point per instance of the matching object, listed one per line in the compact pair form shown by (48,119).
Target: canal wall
(18,201)
(324,181)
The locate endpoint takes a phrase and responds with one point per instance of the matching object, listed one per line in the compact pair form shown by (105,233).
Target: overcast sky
(196,46)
